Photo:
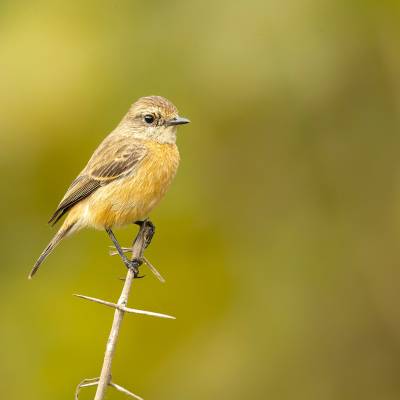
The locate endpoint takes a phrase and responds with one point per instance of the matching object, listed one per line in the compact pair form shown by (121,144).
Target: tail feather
(50,247)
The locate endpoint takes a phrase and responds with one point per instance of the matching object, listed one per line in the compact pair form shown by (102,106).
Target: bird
(126,177)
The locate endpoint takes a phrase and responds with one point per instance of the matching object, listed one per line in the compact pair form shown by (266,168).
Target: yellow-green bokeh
(279,238)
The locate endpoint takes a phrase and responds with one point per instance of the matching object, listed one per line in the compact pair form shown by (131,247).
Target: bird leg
(148,227)
(152,230)
(134,265)
(136,262)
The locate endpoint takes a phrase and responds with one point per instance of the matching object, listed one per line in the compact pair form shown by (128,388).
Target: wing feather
(114,158)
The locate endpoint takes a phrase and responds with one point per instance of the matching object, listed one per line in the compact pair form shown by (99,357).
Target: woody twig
(141,241)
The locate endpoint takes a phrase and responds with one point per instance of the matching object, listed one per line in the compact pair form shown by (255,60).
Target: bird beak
(177,121)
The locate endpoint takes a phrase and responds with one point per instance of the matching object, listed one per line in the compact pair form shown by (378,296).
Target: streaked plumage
(126,176)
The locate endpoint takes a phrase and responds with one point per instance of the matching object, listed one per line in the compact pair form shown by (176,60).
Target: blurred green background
(279,238)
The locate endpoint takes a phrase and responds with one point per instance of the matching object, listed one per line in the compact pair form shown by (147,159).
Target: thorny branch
(152,268)
(140,243)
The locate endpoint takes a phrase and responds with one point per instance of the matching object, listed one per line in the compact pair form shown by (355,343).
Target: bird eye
(149,119)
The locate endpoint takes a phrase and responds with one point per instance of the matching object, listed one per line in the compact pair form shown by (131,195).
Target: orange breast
(131,198)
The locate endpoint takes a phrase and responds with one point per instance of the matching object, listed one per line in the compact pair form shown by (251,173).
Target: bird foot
(134,265)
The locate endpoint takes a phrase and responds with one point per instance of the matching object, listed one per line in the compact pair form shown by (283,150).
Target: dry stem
(141,241)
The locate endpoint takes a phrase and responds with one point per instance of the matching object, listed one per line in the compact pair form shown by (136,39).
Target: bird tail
(61,234)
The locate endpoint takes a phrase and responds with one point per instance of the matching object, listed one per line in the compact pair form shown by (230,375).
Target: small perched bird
(126,176)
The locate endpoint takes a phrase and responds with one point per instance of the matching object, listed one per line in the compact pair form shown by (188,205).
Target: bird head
(153,118)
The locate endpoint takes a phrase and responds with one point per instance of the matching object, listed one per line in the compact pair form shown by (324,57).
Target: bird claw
(134,265)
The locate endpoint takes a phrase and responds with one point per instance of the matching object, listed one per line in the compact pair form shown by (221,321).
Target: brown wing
(113,159)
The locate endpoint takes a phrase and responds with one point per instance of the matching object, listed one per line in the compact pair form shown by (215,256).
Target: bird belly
(131,198)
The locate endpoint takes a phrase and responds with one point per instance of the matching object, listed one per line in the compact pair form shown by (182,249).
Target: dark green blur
(280,237)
